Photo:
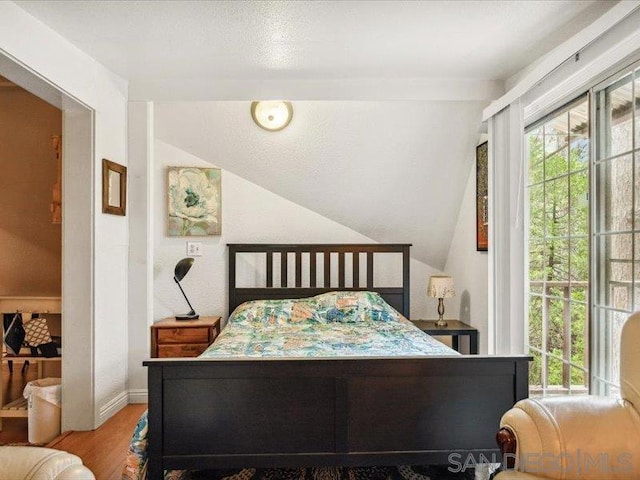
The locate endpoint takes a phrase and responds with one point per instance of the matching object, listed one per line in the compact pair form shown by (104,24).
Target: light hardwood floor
(104,450)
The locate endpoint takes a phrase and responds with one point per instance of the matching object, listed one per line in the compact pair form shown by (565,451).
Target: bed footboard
(219,413)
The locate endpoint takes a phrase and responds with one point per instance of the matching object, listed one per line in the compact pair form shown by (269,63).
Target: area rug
(336,473)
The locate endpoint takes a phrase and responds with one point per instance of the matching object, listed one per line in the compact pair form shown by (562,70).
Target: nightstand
(183,338)
(454,328)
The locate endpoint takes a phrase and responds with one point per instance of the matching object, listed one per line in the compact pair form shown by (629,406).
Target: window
(579,244)
(616,222)
(558,250)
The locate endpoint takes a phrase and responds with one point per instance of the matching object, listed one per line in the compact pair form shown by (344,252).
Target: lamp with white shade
(441,287)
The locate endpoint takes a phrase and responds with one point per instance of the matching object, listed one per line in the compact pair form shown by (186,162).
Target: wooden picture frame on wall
(482,197)
(114,188)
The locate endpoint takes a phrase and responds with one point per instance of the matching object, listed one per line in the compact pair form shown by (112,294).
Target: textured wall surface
(250,214)
(30,257)
(469,268)
(392,171)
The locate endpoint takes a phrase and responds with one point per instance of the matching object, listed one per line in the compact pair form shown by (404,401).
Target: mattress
(334,324)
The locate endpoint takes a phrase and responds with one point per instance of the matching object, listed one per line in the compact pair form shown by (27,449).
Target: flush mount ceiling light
(272,115)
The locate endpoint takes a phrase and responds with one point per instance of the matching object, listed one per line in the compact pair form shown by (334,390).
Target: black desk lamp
(181,270)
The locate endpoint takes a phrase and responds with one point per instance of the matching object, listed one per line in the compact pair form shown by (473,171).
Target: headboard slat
(327,269)
(369,269)
(356,270)
(284,269)
(313,256)
(298,269)
(269,269)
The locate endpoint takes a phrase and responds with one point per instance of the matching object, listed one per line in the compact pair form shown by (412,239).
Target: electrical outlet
(194,249)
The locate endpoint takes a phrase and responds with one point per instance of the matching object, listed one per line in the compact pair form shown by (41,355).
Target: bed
(233,410)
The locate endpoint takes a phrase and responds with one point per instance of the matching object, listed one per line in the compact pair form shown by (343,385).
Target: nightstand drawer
(181,350)
(183,335)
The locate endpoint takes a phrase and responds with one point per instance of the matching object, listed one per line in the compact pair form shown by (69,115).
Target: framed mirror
(114,188)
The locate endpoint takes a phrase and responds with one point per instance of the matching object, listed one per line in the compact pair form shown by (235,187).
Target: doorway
(76,238)
(31,253)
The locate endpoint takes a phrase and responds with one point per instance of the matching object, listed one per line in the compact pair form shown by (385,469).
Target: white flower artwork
(194,202)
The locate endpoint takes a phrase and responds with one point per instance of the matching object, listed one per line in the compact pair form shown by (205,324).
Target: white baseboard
(113,406)
(140,395)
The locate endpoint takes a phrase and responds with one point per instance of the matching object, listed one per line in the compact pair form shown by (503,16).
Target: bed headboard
(312,260)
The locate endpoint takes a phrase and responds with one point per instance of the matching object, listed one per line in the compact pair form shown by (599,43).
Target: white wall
(28,42)
(394,171)
(250,214)
(140,210)
(469,268)
(342,171)
(222,134)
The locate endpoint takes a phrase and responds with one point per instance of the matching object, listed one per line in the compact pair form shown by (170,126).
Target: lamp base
(441,322)
(188,316)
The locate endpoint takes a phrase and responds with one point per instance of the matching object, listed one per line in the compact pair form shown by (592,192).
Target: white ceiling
(143,40)
(394,171)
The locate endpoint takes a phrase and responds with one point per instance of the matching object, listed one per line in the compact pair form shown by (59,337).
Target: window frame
(599,350)
(599,384)
(565,108)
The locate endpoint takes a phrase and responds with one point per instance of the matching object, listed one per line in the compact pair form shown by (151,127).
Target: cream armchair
(35,463)
(579,438)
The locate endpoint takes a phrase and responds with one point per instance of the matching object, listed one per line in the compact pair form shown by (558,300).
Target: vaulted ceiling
(392,170)
(385,169)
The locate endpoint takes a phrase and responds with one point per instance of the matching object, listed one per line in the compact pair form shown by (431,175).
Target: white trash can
(44,405)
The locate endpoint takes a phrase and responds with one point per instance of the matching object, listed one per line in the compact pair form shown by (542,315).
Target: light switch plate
(194,249)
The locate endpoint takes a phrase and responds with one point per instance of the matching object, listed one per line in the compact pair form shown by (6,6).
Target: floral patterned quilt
(334,324)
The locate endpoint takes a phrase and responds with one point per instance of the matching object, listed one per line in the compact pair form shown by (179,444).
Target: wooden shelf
(17,408)
(30,358)
(42,305)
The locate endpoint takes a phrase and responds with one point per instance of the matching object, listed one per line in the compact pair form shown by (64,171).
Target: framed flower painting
(194,202)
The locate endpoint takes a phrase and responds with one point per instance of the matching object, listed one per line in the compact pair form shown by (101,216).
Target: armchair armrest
(76,472)
(574,437)
(41,463)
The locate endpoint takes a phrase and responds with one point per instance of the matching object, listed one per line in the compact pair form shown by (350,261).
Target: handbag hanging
(14,335)
(37,332)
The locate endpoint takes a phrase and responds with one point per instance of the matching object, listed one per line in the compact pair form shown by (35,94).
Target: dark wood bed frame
(219,413)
